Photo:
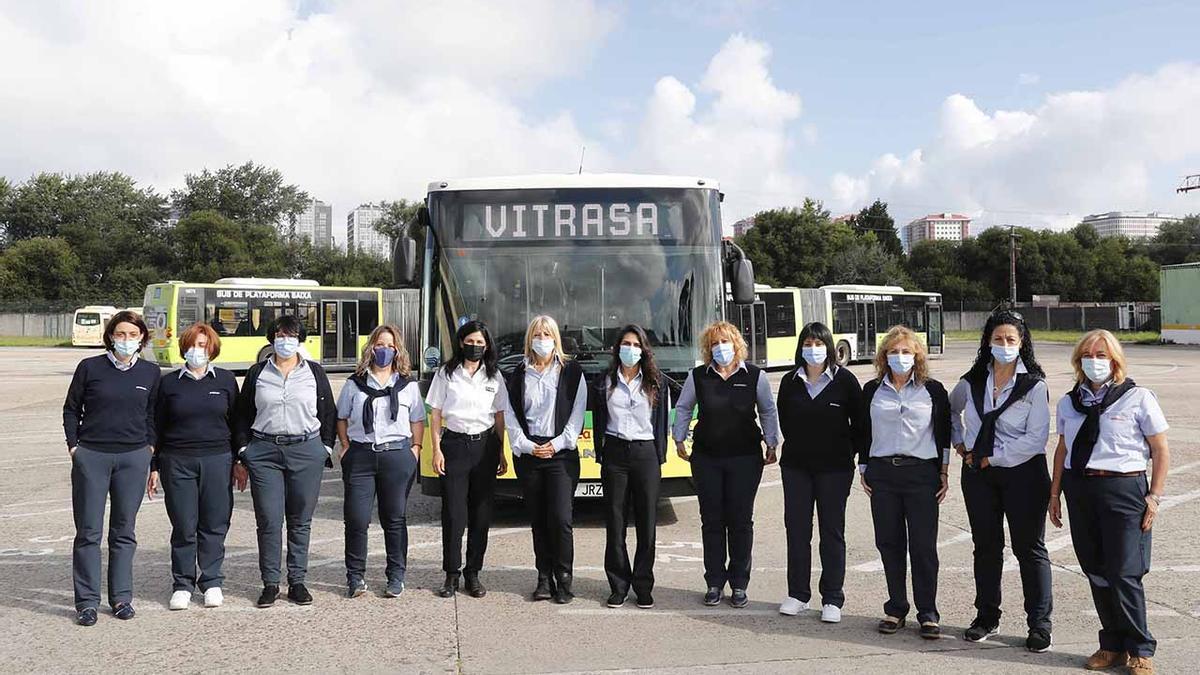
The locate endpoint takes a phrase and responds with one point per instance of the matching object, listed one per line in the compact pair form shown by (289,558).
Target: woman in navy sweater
(194,418)
(108,419)
(819,406)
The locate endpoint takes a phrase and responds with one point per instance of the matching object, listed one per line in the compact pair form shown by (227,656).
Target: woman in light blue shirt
(1109,430)
(1000,412)
(381,421)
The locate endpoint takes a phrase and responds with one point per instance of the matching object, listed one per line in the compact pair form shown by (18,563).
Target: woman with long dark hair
(630,412)
(819,406)
(467,397)
(1000,414)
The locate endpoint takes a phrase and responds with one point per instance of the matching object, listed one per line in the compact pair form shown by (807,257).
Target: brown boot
(1141,665)
(1103,659)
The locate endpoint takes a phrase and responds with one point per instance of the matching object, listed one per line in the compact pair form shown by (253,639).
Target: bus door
(864,314)
(339,332)
(933,322)
(758,352)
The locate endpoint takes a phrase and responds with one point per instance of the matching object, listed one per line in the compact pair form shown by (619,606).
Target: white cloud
(1078,152)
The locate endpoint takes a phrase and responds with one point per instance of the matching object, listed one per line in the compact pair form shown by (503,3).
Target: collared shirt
(286,405)
(208,372)
(768,414)
(629,413)
(408,400)
(815,388)
(117,362)
(541,392)
(1122,445)
(1021,431)
(469,403)
(902,422)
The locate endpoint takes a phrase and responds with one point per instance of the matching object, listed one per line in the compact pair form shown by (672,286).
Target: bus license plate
(589,490)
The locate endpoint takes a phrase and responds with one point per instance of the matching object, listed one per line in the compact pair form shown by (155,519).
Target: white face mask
(286,346)
(196,357)
(1006,353)
(901,363)
(543,347)
(815,355)
(1096,370)
(127,348)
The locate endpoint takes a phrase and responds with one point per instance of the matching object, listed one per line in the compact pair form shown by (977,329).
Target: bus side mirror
(741,281)
(404,262)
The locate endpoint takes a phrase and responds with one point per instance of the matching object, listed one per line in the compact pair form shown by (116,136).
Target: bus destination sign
(263,294)
(593,220)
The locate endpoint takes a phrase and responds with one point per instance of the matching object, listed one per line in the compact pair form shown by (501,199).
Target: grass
(19,341)
(1066,336)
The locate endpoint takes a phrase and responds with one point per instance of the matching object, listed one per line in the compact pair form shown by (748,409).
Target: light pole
(1012,265)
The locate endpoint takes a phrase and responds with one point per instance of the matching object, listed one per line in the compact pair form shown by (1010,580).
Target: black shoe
(124,611)
(1039,641)
(980,630)
(713,597)
(931,631)
(562,591)
(645,601)
(616,600)
(86,616)
(544,590)
(298,594)
(738,599)
(449,587)
(890,624)
(474,587)
(269,594)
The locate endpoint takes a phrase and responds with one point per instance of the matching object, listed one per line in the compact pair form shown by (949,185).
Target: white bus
(87,329)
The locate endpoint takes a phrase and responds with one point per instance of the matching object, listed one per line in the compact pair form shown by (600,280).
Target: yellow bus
(338,320)
(87,327)
(594,251)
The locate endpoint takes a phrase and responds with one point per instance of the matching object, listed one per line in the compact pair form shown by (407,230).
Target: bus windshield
(87,319)
(593,259)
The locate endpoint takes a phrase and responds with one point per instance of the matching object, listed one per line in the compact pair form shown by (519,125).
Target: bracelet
(1157,498)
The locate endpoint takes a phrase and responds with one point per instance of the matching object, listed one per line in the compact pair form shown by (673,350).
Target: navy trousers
(199,498)
(366,476)
(828,491)
(904,509)
(95,478)
(725,489)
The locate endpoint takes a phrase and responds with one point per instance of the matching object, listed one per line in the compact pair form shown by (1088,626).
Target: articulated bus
(594,251)
(338,320)
(858,316)
(87,328)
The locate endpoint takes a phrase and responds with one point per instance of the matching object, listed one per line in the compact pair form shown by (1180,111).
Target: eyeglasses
(1008,314)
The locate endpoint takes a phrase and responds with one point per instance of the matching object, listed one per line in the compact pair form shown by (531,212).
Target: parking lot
(505,632)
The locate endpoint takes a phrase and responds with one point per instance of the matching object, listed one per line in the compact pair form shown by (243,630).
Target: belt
(284,439)
(1101,473)
(902,460)
(450,433)
(384,447)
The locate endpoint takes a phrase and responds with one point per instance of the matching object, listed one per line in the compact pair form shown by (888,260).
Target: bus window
(229,317)
(368,315)
(914,314)
(307,311)
(888,313)
(843,318)
(781,314)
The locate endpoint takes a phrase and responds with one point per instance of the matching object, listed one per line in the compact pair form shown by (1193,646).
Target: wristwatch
(1157,498)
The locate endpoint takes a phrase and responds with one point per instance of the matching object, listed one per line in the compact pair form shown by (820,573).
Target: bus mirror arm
(404,262)
(740,272)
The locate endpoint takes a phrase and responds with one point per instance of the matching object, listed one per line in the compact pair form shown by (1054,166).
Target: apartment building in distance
(1131,224)
(314,223)
(936,227)
(361,235)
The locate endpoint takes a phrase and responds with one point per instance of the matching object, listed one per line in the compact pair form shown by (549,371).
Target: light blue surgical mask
(1096,370)
(901,363)
(127,348)
(815,355)
(723,353)
(196,357)
(1006,353)
(630,355)
(286,346)
(543,347)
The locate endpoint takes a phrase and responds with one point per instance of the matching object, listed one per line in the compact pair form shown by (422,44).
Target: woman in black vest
(630,408)
(727,458)
(903,457)
(819,405)
(547,397)
(1000,413)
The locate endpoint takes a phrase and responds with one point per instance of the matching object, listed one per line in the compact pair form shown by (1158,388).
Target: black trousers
(904,509)
(631,475)
(1106,529)
(199,499)
(1019,494)
(828,490)
(548,488)
(468,490)
(725,489)
(388,475)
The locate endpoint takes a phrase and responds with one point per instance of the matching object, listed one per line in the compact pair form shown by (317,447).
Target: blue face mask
(383,356)
(814,355)
(901,363)
(1005,353)
(723,353)
(196,357)
(630,355)
(286,346)
(127,348)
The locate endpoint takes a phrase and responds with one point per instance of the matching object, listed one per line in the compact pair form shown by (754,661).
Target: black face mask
(474,352)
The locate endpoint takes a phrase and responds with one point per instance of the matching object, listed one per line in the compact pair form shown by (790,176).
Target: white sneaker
(792,607)
(213,597)
(831,614)
(180,600)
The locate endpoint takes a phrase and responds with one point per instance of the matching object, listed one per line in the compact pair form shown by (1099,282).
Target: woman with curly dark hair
(1000,412)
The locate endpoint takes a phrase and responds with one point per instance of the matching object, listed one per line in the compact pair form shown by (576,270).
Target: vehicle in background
(338,320)
(87,327)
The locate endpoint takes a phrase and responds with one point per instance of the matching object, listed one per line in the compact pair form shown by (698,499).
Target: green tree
(794,246)
(41,268)
(1176,242)
(942,267)
(865,261)
(396,216)
(249,193)
(209,246)
(875,219)
(333,267)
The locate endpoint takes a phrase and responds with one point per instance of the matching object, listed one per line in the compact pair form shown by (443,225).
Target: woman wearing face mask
(287,423)
(547,397)
(195,419)
(108,419)
(467,397)
(819,405)
(630,408)
(1000,414)
(381,421)
(903,458)
(728,457)
(1109,430)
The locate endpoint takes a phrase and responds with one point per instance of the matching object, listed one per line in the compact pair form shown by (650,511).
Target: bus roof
(573,180)
(265,283)
(96,308)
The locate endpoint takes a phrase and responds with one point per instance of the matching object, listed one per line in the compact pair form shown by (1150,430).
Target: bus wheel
(843,353)
(265,353)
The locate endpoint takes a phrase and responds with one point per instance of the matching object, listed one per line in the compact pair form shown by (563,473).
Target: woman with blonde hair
(1109,428)
(547,396)
(903,462)
(381,421)
(727,454)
